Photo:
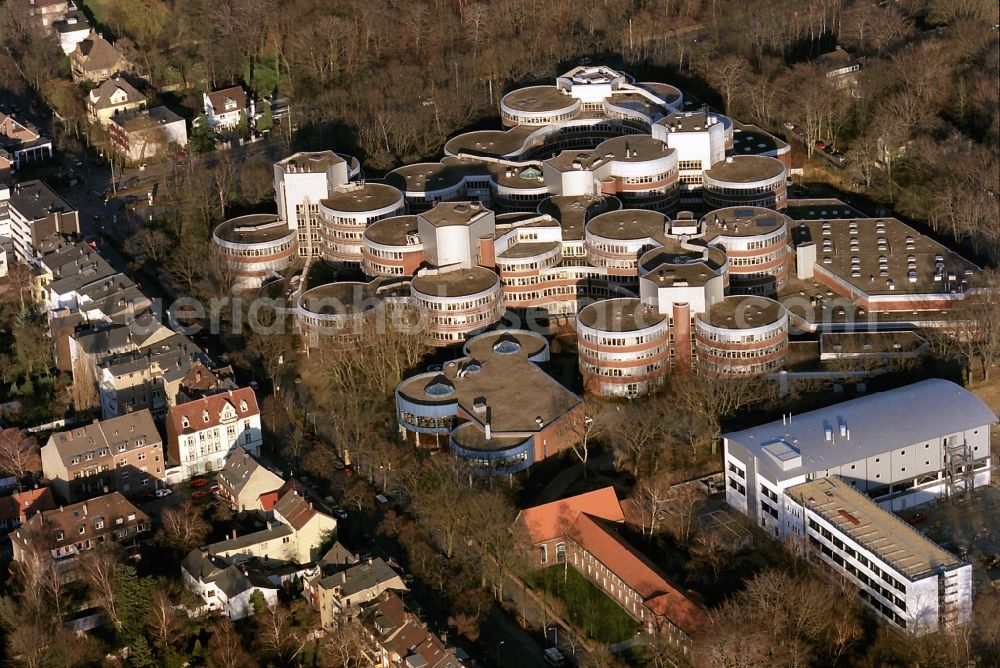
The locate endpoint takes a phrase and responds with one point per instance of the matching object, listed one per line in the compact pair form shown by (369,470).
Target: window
(543,554)
(561,553)
(286,539)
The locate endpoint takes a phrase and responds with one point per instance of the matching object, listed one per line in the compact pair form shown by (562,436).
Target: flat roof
(575,160)
(634,148)
(877,423)
(688,121)
(624,314)
(752,140)
(572,211)
(742,221)
(538,98)
(310,161)
(670,94)
(446,214)
(894,541)
(627,224)
(743,312)
(368,197)
(745,168)
(341,298)
(424,176)
(256,228)
(516,391)
(528,249)
(870,343)
(392,231)
(913,262)
(820,208)
(493,143)
(673,265)
(455,283)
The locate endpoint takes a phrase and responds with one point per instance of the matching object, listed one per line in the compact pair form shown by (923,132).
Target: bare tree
(278,635)
(349,647)
(589,426)
(635,432)
(162,621)
(973,332)
(98,568)
(224,648)
(19,455)
(183,528)
(84,392)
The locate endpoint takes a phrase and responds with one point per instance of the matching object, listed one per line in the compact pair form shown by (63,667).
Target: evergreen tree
(265,122)
(202,139)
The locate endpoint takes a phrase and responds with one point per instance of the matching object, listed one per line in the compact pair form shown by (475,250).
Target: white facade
(301,181)
(206,450)
(902,576)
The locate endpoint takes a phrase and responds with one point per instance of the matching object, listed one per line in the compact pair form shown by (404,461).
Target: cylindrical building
(616,239)
(538,105)
(348,211)
(338,311)
(622,347)
(741,337)
(392,247)
(457,303)
(756,243)
(254,247)
(746,180)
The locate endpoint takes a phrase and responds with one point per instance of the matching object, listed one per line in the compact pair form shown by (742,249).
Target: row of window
(620,372)
(736,336)
(746,354)
(104,452)
(634,180)
(258,252)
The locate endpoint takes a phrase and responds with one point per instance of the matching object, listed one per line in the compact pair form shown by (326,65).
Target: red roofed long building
(202,433)
(581,530)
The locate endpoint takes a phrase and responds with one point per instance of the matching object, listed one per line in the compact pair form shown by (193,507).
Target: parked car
(340,513)
(789,125)
(554,657)
(819,145)
(199,495)
(165,491)
(382,499)
(916,518)
(199,482)
(215,489)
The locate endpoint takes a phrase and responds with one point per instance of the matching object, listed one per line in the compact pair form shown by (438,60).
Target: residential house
(200,381)
(402,640)
(338,593)
(141,134)
(68,531)
(583,532)
(149,377)
(22,142)
(201,434)
(33,213)
(95,59)
(19,507)
(244,481)
(841,69)
(224,108)
(225,586)
(72,29)
(124,454)
(114,96)
(91,343)
(295,535)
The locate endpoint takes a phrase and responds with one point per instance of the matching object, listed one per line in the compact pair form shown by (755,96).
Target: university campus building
(834,475)
(603,188)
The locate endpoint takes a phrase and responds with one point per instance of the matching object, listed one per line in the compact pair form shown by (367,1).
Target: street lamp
(498,651)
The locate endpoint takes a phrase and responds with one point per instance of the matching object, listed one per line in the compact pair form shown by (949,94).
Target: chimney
(85,508)
(234,534)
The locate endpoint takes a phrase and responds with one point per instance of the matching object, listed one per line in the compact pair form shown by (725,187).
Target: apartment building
(123,454)
(338,592)
(904,578)
(401,639)
(901,448)
(148,377)
(141,134)
(201,434)
(69,531)
(580,531)
(33,213)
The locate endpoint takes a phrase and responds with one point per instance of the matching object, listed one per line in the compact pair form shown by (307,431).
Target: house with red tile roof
(19,507)
(403,641)
(583,532)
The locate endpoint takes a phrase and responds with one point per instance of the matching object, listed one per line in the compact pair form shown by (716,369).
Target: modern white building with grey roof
(903,577)
(901,448)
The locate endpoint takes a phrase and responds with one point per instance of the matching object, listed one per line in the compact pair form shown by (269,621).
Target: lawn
(587,607)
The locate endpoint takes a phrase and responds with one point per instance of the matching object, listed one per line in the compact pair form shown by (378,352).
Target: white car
(166,491)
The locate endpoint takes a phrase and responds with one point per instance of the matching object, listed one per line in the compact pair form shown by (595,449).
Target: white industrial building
(902,576)
(901,448)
